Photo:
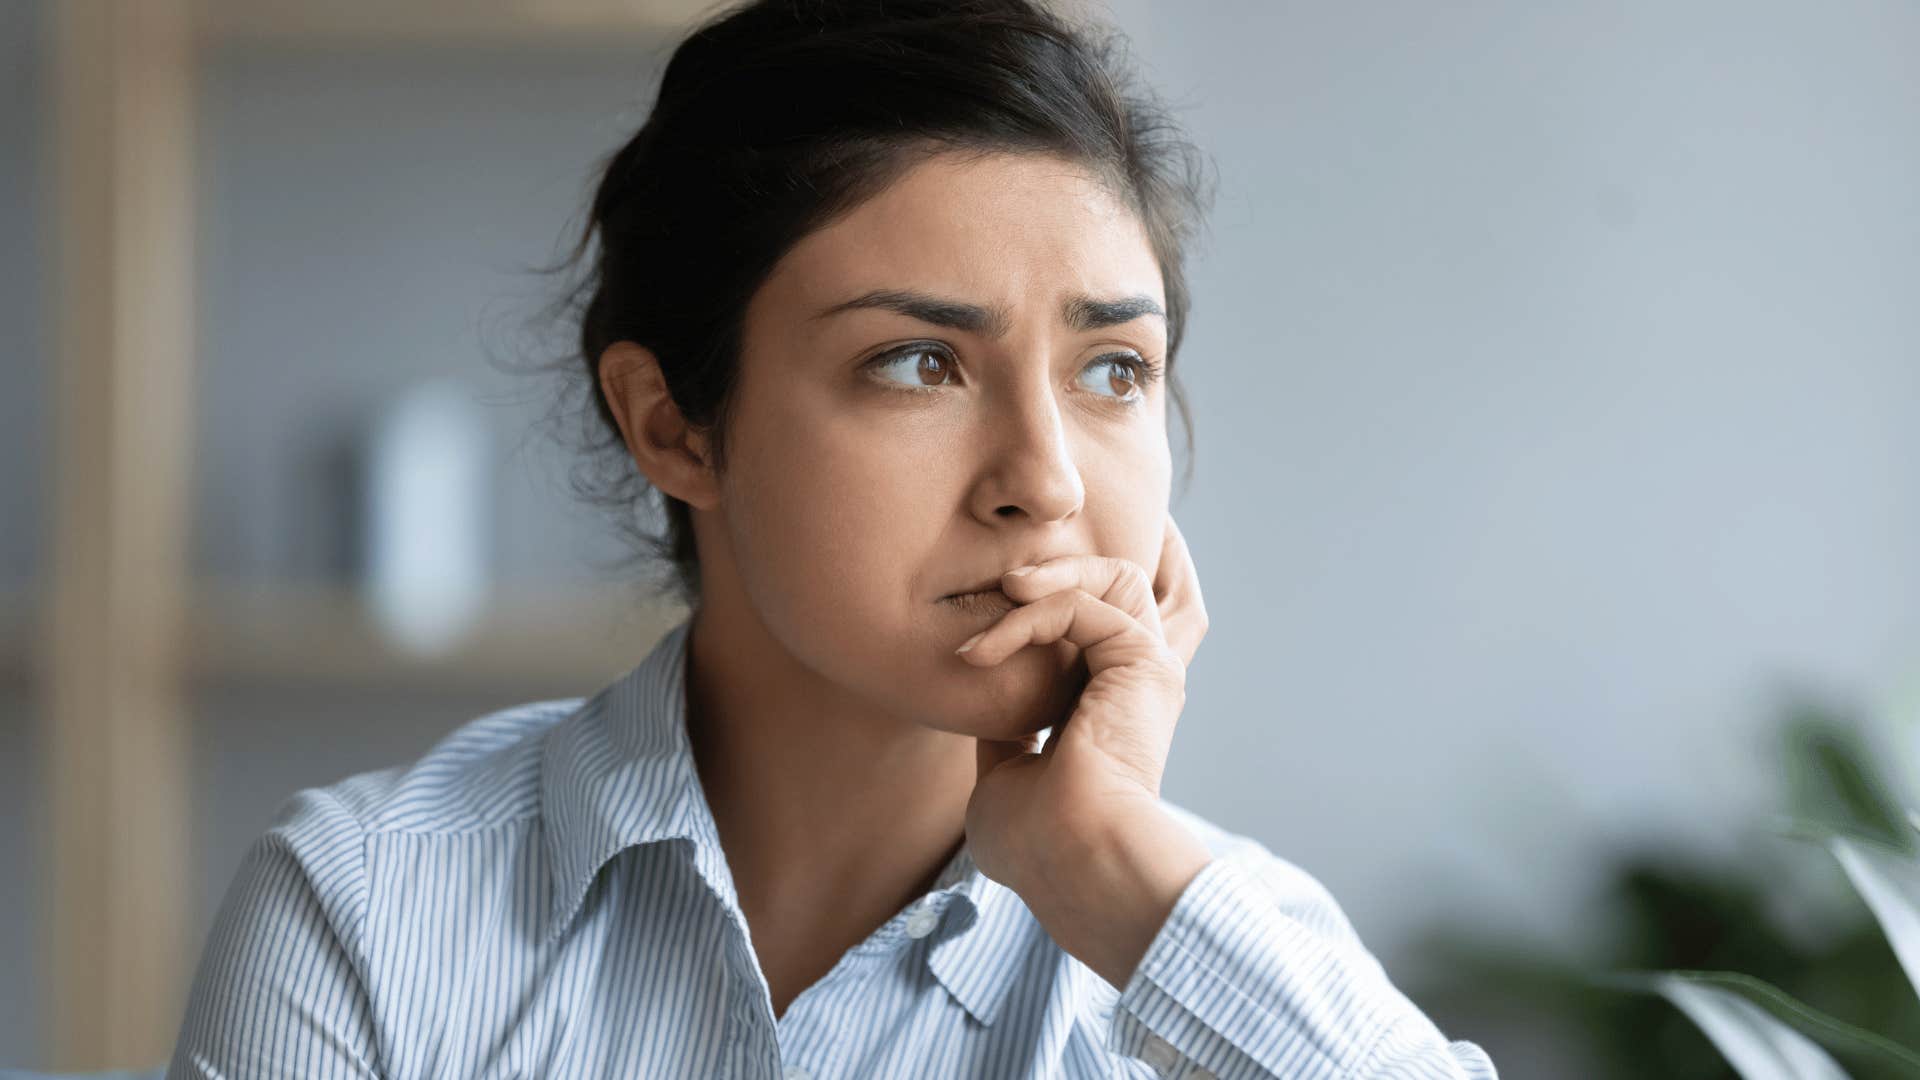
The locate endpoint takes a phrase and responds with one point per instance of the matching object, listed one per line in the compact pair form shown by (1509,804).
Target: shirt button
(1160,1054)
(921,920)
(795,1072)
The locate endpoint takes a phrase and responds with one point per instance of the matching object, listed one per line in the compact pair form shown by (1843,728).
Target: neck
(829,811)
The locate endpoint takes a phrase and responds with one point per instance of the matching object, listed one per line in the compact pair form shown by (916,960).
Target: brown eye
(931,367)
(1121,380)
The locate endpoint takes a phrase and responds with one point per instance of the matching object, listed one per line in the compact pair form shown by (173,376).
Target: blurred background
(1556,373)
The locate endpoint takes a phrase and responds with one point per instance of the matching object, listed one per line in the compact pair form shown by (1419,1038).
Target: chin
(1030,691)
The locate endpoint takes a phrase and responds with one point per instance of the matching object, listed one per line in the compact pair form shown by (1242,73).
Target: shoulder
(484,773)
(293,949)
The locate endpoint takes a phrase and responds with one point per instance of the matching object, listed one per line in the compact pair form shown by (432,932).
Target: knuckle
(1062,606)
(1130,579)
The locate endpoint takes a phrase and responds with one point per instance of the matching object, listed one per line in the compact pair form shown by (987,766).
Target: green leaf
(1759,1046)
(1765,1023)
(1834,782)
(1889,881)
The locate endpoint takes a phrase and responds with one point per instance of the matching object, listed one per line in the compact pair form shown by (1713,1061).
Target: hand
(1105,761)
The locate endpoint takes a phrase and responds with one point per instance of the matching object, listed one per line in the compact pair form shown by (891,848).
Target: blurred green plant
(1707,969)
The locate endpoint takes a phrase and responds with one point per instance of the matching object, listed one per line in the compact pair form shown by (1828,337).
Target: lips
(982,601)
(1014,560)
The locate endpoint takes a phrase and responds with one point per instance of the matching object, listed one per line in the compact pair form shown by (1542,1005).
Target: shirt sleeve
(1258,973)
(278,992)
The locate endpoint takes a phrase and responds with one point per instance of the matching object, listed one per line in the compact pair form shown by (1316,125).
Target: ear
(673,455)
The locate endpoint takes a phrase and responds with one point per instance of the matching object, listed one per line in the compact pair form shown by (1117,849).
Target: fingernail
(971,642)
(1022,572)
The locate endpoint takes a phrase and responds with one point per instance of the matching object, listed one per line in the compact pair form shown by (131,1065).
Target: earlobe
(672,454)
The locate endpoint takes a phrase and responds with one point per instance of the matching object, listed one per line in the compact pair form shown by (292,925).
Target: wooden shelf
(562,640)
(435,22)
(567,641)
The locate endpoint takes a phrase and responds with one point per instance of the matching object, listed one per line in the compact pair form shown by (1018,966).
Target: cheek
(832,524)
(1129,491)
(827,517)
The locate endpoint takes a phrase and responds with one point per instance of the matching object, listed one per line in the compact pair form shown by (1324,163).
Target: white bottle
(426,517)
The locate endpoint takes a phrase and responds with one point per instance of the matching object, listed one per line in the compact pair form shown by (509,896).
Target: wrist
(1104,888)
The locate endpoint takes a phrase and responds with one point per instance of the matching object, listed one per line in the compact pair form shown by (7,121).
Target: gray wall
(1558,383)
(1557,378)
(370,217)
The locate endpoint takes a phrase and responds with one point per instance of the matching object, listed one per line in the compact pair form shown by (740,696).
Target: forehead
(1017,230)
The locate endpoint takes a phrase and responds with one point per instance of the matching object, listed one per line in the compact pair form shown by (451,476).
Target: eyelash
(1147,371)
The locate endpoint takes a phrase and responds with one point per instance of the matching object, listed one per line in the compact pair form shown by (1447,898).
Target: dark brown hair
(775,117)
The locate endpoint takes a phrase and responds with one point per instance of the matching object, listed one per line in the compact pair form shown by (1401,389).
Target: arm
(1236,965)
(277,993)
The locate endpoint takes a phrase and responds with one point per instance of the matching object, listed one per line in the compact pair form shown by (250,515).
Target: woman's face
(952,380)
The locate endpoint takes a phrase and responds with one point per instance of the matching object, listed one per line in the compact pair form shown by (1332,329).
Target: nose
(1031,471)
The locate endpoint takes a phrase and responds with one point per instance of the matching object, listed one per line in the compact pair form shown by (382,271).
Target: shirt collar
(980,958)
(619,772)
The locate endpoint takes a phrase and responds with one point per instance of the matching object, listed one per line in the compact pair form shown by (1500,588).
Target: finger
(1176,587)
(1119,582)
(1107,636)
(989,754)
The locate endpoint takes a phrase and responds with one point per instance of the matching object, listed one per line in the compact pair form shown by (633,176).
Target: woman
(884,307)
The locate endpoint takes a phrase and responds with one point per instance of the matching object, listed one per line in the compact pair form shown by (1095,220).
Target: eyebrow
(1081,313)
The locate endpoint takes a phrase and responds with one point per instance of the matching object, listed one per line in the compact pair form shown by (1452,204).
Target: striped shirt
(544,894)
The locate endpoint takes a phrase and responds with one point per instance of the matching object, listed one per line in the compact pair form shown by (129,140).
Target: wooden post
(120,143)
